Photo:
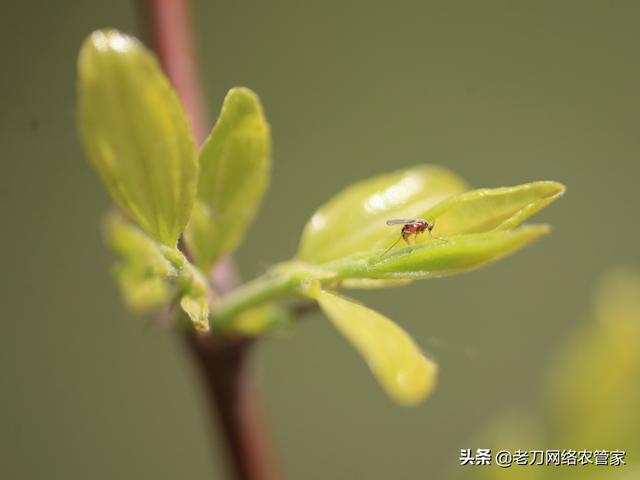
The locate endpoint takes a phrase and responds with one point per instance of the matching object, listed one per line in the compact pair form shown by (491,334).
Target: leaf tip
(244,101)
(535,231)
(104,41)
(553,189)
(412,387)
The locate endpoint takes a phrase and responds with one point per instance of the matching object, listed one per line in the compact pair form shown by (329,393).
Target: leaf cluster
(137,136)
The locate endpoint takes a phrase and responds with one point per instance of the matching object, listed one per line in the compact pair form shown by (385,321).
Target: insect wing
(400,222)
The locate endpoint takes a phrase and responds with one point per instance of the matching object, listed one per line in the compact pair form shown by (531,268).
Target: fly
(410,227)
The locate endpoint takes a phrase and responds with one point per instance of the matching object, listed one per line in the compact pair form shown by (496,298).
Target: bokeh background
(501,92)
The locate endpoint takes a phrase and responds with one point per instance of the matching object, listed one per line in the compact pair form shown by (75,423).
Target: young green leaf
(438,257)
(398,364)
(235,163)
(192,287)
(488,208)
(136,134)
(142,271)
(140,292)
(134,246)
(197,307)
(354,220)
(480,210)
(402,370)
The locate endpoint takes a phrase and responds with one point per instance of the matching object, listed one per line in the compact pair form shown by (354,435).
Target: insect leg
(393,245)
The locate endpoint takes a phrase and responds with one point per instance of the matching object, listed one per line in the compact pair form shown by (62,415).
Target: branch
(168,27)
(224,367)
(222,360)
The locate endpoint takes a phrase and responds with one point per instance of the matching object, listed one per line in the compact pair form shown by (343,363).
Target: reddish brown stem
(221,360)
(168,24)
(224,366)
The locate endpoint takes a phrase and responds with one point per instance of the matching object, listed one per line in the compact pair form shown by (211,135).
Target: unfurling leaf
(142,293)
(404,372)
(143,270)
(438,257)
(197,307)
(136,134)
(235,164)
(354,220)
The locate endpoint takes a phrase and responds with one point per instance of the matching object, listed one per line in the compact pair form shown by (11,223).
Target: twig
(222,360)
(225,364)
(168,25)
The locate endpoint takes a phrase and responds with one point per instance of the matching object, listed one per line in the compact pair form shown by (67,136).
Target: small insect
(410,227)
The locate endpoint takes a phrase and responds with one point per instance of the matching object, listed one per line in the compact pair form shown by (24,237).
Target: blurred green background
(501,92)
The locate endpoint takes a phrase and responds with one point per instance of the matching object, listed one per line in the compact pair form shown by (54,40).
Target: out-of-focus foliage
(266,317)
(595,389)
(592,398)
(142,269)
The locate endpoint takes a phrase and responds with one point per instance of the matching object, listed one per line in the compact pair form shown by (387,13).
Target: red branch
(171,35)
(222,361)
(225,362)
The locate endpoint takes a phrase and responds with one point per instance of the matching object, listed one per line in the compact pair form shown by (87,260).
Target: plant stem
(222,360)
(224,365)
(284,279)
(168,24)
(257,291)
